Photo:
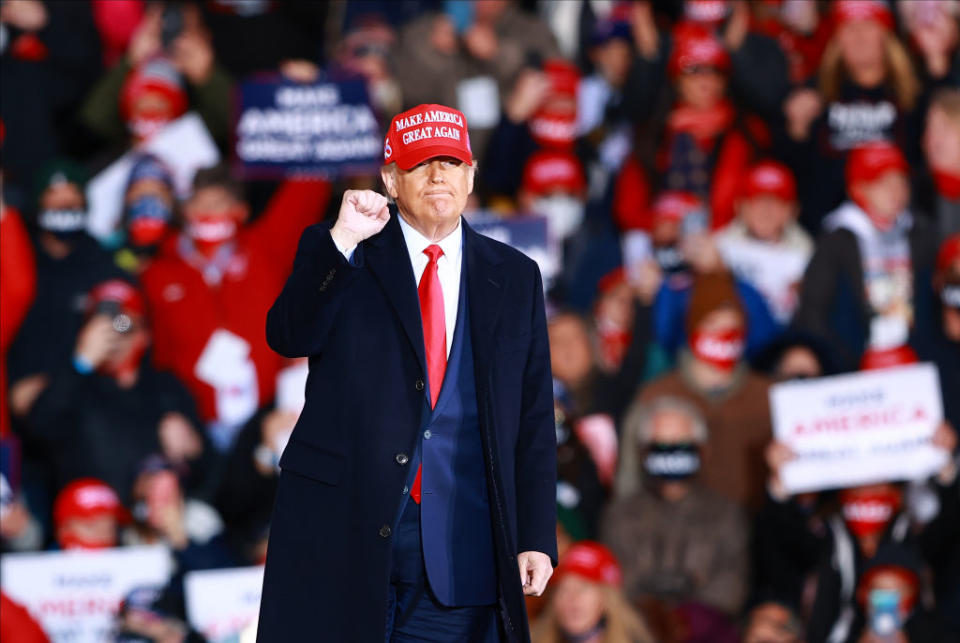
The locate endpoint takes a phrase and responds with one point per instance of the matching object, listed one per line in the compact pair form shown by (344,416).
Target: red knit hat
(592,561)
(870,161)
(548,170)
(696,46)
(120,291)
(844,11)
(949,253)
(876,359)
(769,178)
(674,205)
(86,498)
(154,75)
(424,132)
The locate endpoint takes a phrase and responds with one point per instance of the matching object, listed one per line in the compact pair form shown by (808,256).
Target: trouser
(413,612)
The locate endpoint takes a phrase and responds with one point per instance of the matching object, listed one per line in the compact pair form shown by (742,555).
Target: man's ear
(471,175)
(388,174)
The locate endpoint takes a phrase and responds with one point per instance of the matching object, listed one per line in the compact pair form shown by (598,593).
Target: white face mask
(564,214)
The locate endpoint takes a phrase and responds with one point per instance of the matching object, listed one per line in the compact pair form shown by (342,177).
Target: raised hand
(363,213)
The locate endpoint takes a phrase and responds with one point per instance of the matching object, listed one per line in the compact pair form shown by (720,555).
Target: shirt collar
(416,242)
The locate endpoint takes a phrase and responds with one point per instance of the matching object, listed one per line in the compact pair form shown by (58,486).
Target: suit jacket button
(385,531)
(402,459)
(418,385)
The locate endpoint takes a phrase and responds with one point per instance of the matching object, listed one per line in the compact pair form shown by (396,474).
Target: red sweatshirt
(18,283)
(185,311)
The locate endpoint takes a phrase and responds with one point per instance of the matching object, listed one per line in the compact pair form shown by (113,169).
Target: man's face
(433,194)
(701,88)
(570,356)
(613,58)
(671,427)
(941,141)
(579,604)
(62,196)
(213,200)
(886,196)
(766,216)
(798,362)
(92,532)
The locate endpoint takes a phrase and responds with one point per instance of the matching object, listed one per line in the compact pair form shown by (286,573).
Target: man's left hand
(535,571)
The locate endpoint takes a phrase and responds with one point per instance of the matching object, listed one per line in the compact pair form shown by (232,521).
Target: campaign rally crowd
(736,194)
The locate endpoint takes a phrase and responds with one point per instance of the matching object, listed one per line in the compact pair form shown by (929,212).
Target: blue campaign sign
(528,234)
(326,129)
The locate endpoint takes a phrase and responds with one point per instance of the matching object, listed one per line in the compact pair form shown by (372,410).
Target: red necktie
(434,335)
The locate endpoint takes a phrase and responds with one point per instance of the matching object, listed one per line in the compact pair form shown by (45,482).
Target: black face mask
(66,224)
(672,461)
(670,259)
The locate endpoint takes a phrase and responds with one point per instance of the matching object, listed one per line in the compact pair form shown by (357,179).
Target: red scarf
(948,184)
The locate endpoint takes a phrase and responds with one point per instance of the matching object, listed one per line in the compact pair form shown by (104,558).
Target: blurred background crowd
(740,193)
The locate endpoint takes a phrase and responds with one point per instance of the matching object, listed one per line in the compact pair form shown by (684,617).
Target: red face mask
(721,350)
(147,232)
(869,514)
(948,185)
(212,229)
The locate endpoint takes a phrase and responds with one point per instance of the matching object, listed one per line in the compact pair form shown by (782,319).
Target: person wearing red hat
(417,493)
(86,515)
(867,90)
(554,186)
(764,245)
(587,601)
(211,286)
(158,81)
(669,508)
(868,269)
(108,408)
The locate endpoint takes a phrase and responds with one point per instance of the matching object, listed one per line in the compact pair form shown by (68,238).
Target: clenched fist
(363,213)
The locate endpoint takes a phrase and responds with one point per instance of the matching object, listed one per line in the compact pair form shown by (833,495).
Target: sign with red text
(75,595)
(859,428)
(222,602)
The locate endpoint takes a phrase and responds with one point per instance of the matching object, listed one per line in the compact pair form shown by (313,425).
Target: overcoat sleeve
(300,320)
(536,455)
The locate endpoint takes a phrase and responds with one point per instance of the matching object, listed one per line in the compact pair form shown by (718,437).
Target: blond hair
(900,72)
(624,624)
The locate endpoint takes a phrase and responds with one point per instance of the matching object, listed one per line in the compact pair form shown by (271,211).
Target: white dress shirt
(448,267)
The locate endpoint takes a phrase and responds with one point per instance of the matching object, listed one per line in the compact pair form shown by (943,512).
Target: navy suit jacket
(343,471)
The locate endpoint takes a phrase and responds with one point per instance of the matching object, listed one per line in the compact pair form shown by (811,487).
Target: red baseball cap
(843,11)
(875,359)
(548,170)
(769,177)
(425,132)
(120,291)
(674,205)
(154,75)
(695,46)
(87,498)
(592,561)
(870,161)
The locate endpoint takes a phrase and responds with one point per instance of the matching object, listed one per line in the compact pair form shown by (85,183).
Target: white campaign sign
(859,428)
(74,595)
(184,145)
(221,602)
